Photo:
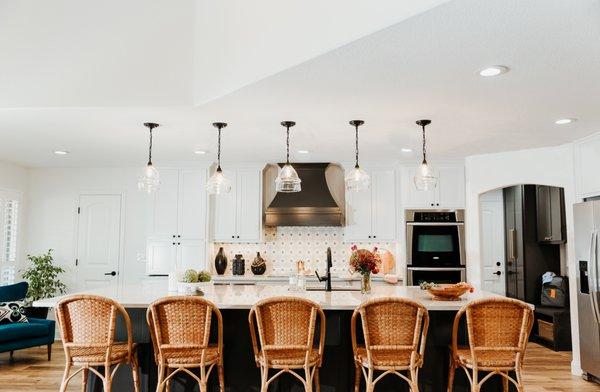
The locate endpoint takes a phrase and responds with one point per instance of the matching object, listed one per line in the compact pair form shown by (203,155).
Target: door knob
(111,273)
(498,273)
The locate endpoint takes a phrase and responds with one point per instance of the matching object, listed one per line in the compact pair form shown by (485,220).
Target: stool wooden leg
(504,384)
(221,377)
(370,385)
(85,373)
(414,384)
(451,370)
(317,381)
(65,382)
(168,371)
(264,376)
(135,374)
(107,379)
(161,377)
(357,376)
(307,379)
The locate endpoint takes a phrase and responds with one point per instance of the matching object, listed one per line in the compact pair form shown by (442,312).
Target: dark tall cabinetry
(527,258)
(551,226)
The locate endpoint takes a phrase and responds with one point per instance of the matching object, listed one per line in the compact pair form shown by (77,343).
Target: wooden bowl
(449,292)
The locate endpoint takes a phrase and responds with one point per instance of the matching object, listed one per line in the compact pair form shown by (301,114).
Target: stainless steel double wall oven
(435,246)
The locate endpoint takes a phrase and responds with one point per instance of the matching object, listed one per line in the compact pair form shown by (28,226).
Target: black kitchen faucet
(327,277)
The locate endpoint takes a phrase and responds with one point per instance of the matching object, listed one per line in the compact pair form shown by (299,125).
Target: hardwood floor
(545,370)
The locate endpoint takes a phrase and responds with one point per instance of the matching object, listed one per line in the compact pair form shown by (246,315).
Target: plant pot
(187,288)
(36,312)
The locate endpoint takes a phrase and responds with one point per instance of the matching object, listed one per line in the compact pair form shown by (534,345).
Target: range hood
(312,206)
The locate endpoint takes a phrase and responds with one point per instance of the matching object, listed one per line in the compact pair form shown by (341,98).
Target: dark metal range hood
(313,206)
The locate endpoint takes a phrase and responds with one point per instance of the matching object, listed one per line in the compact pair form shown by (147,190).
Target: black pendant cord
(356,141)
(150,150)
(219,151)
(424,146)
(287,143)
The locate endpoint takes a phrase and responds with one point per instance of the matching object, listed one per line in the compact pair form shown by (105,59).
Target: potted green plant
(42,277)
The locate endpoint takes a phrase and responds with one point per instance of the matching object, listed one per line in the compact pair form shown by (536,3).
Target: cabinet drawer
(545,330)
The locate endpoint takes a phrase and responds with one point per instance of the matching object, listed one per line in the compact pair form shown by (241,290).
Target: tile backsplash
(283,246)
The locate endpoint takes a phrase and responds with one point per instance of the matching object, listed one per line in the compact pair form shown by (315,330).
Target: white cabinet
(165,256)
(449,193)
(587,162)
(178,222)
(371,214)
(237,215)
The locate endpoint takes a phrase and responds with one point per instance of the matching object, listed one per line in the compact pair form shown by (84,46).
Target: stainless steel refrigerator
(587,244)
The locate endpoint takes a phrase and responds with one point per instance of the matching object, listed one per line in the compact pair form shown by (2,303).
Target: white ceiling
(103,73)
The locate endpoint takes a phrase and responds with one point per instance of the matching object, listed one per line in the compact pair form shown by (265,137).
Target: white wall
(544,166)
(52,211)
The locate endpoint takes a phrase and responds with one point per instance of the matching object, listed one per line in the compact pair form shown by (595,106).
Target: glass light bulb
(426,178)
(218,184)
(357,180)
(149,181)
(287,180)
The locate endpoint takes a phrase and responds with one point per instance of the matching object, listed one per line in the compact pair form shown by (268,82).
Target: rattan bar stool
(180,330)
(286,330)
(498,330)
(87,326)
(395,331)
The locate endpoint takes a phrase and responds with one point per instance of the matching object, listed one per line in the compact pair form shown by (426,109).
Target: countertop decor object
(218,184)
(357,179)
(238,265)
(449,292)
(220,262)
(365,262)
(149,181)
(259,265)
(287,180)
(387,262)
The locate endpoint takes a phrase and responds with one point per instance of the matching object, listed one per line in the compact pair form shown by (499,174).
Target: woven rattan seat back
(498,324)
(87,319)
(389,322)
(286,322)
(181,320)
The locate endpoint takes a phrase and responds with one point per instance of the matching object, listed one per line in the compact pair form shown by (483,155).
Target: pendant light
(218,183)
(425,179)
(357,179)
(149,181)
(287,180)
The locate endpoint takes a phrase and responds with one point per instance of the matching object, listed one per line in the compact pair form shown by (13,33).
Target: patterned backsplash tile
(284,246)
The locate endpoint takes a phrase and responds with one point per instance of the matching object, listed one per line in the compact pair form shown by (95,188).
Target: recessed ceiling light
(199,152)
(406,150)
(564,121)
(61,152)
(303,151)
(494,70)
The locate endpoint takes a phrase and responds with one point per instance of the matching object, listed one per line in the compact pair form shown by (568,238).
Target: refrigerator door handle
(593,275)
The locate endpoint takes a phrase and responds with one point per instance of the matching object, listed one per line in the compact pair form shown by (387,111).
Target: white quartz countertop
(244,297)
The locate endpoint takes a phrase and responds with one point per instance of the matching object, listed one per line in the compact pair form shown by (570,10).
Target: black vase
(220,262)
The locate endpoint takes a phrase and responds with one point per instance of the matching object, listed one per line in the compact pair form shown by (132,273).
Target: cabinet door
(161,257)
(383,205)
(451,187)
(224,212)
(557,215)
(164,207)
(249,210)
(191,254)
(192,204)
(414,197)
(358,215)
(544,213)
(587,161)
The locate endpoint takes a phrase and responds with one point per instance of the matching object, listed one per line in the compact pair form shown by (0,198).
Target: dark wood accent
(560,325)
(550,206)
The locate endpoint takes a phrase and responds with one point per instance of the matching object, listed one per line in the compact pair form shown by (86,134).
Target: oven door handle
(435,223)
(436,269)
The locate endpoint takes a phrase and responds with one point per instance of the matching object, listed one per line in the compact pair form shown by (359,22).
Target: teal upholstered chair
(16,336)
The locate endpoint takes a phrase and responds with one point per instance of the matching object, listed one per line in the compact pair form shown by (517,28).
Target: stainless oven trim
(435,224)
(409,215)
(409,276)
(461,241)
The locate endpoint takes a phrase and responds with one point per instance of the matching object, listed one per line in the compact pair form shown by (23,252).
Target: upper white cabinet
(371,214)
(587,162)
(237,215)
(449,193)
(178,222)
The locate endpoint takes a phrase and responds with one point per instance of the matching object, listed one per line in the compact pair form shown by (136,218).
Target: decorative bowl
(449,292)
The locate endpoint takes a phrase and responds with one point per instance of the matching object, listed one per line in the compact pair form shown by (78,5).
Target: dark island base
(337,373)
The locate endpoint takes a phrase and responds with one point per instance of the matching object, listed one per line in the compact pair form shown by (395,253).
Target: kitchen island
(337,373)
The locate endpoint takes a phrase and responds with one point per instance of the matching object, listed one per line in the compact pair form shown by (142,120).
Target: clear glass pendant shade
(358,180)
(287,180)
(218,184)
(149,181)
(425,179)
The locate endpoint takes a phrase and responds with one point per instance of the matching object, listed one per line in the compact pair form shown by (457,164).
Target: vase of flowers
(365,262)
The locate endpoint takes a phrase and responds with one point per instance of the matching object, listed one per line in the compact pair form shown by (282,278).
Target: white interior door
(492,243)
(98,240)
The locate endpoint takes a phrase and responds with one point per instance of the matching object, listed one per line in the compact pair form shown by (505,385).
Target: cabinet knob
(238,236)
(173,235)
(232,236)
(179,236)
(374,236)
(369,236)
(173,243)
(179,243)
